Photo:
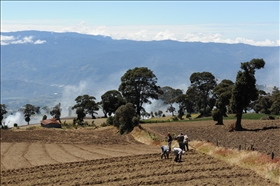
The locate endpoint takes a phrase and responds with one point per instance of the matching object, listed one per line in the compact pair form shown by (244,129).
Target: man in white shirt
(186,142)
(178,152)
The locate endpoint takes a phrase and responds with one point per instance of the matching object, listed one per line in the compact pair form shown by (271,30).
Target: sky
(251,22)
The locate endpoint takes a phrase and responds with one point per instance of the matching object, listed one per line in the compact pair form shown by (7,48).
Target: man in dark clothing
(180,139)
(169,140)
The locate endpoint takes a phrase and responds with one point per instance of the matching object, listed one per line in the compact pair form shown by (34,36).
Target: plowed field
(102,157)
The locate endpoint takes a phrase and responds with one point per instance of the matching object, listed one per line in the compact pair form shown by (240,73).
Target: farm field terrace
(89,156)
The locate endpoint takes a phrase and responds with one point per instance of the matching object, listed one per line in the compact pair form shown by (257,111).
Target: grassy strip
(259,163)
(250,116)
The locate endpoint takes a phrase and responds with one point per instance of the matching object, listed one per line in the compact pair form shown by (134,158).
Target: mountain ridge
(69,58)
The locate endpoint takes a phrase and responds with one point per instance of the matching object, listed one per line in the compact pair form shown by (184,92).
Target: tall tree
(3,112)
(244,90)
(204,82)
(193,100)
(169,97)
(138,86)
(87,103)
(111,101)
(28,110)
(223,91)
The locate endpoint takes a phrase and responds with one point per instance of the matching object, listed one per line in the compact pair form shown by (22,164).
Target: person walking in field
(186,143)
(169,140)
(178,152)
(165,152)
(180,139)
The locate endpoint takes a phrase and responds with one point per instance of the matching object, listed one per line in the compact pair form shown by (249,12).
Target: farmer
(180,139)
(169,140)
(164,152)
(178,154)
(186,142)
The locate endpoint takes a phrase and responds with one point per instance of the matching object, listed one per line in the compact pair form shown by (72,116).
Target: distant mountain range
(38,64)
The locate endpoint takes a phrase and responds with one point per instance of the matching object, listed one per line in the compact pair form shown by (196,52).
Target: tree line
(204,95)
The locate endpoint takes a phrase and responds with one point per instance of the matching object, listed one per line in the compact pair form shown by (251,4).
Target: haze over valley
(45,68)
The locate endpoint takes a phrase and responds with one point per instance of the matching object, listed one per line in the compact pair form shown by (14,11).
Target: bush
(124,118)
(31,128)
(175,118)
(44,117)
(104,124)
(135,120)
(188,115)
(110,120)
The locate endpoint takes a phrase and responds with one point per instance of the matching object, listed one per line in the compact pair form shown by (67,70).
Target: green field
(194,117)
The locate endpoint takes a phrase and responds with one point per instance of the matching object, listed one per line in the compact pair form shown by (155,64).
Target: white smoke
(69,94)
(157,105)
(18,118)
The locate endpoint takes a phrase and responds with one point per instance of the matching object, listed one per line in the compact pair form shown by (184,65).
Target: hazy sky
(252,22)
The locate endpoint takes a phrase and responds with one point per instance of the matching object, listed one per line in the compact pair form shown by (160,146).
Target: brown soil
(100,156)
(261,135)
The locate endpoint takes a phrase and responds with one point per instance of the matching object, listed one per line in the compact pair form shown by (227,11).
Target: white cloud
(166,35)
(184,33)
(39,42)
(7,40)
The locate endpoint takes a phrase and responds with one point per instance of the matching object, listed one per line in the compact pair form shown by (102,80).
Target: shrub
(175,118)
(44,117)
(31,128)
(110,120)
(124,118)
(104,124)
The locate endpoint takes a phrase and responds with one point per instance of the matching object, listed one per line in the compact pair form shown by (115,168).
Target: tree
(28,110)
(223,91)
(181,100)
(87,103)
(145,114)
(193,100)
(244,90)
(3,112)
(80,114)
(111,101)
(275,100)
(137,86)
(204,82)
(56,112)
(46,109)
(263,103)
(159,113)
(125,118)
(169,97)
